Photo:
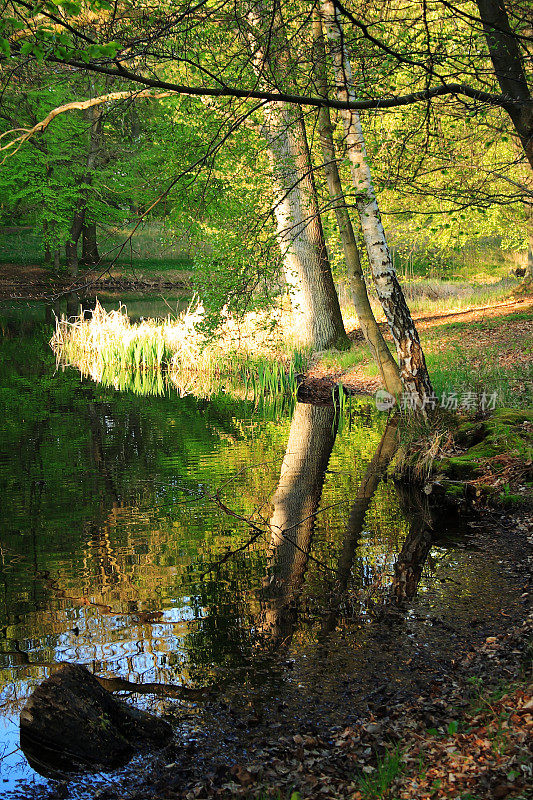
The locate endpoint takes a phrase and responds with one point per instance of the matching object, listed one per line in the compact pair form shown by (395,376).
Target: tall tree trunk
(299,231)
(135,132)
(388,368)
(508,66)
(413,370)
(299,227)
(529,273)
(296,501)
(89,243)
(78,223)
(71,245)
(46,226)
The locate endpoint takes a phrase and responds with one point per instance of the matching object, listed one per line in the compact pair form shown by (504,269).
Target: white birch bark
(413,370)
(388,367)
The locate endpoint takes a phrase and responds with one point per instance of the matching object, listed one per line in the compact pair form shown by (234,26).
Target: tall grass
(151,356)
(432,297)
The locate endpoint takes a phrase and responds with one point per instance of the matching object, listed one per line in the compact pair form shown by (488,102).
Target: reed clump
(151,355)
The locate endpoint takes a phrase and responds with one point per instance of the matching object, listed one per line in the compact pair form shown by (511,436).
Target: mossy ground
(489,459)
(508,432)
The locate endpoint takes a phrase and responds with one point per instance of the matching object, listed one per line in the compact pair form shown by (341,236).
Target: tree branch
(295,99)
(81,105)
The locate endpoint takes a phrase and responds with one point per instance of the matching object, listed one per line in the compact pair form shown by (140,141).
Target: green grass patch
(474,261)
(375,785)
(356,356)
(21,247)
(451,371)
(152,248)
(476,367)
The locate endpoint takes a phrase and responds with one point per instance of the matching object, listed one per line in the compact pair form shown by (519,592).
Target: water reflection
(365,493)
(108,536)
(311,438)
(414,554)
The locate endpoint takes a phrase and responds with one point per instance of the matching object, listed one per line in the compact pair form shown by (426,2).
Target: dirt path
(474,314)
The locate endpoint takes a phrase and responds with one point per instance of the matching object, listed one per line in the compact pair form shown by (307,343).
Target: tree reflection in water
(311,438)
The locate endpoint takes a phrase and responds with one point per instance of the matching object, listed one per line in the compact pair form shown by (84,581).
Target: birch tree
(371,331)
(413,370)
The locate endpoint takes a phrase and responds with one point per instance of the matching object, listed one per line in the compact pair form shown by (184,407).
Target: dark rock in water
(71,723)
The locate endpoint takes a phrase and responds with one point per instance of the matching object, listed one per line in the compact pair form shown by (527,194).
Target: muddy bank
(34,282)
(313,718)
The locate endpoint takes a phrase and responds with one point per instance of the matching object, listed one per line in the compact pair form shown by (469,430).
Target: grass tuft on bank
(149,356)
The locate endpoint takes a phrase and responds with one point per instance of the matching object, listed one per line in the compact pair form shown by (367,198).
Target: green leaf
(453,727)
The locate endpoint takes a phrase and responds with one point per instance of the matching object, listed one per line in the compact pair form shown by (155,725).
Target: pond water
(172,540)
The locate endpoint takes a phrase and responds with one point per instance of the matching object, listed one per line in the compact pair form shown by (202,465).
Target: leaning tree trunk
(374,338)
(413,370)
(299,227)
